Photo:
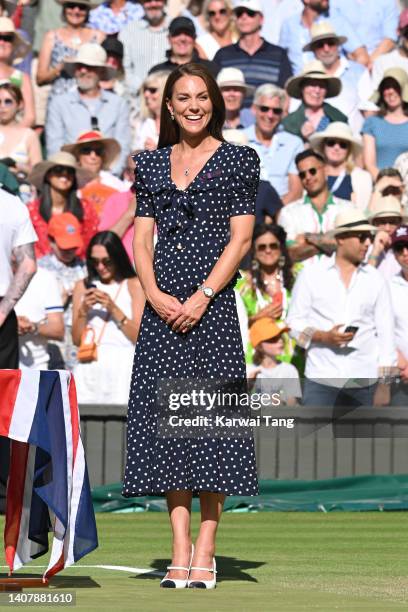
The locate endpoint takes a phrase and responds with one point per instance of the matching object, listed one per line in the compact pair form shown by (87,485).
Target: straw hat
(265,329)
(91,54)
(111,146)
(351,220)
(322,31)
(401,76)
(62,158)
(313,70)
(339,130)
(233,77)
(388,206)
(20,46)
(89,5)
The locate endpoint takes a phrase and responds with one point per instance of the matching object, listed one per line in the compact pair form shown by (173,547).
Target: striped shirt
(143,48)
(269,64)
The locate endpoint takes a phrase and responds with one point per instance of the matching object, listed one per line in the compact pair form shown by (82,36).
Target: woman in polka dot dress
(200,190)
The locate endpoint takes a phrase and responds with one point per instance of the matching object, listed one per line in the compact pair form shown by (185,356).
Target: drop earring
(172,115)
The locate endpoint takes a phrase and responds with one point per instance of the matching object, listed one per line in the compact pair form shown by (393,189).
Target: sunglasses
(387,221)
(394,190)
(151,90)
(88,149)
(74,5)
(362,236)
(272,246)
(264,109)
(332,142)
(105,261)
(61,170)
(222,11)
(7,37)
(244,11)
(330,42)
(400,248)
(312,171)
(7,102)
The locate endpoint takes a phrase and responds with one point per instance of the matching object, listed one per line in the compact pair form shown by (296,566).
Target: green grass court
(266,561)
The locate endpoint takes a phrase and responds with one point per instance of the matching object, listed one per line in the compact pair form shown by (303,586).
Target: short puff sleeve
(144,197)
(370,126)
(244,182)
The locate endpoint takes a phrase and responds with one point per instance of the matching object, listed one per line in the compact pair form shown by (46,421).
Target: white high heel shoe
(177,583)
(203,584)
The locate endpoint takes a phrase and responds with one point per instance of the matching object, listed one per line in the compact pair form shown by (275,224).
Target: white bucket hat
(233,77)
(91,54)
(62,158)
(252,5)
(313,70)
(340,131)
(323,30)
(388,206)
(20,46)
(351,220)
(89,5)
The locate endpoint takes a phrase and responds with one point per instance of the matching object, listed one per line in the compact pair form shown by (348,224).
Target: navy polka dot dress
(193,230)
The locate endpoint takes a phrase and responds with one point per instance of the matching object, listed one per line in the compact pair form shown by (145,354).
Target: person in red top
(57,181)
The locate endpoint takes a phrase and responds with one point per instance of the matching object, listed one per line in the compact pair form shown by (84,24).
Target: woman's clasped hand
(182,317)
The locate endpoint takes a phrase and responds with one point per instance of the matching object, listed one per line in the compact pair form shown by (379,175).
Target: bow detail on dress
(179,209)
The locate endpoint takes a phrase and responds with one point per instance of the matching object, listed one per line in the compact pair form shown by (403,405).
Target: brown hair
(390,82)
(14,91)
(169,129)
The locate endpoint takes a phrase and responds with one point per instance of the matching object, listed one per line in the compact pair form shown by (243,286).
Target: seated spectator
(399,297)
(272,375)
(64,234)
(220,25)
(401,166)
(97,155)
(40,319)
(265,288)
(355,78)
(114,59)
(340,149)
(260,61)
(341,313)
(15,12)
(231,82)
(111,16)
(57,180)
(13,46)
(309,221)
(374,20)
(385,136)
(296,33)
(182,35)
(118,215)
(147,127)
(17,142)
(397,58)
(92,107)
(312,86)
(108,307)
(64,43)
(388,182)
(145,43)
(276,148)
(386,216)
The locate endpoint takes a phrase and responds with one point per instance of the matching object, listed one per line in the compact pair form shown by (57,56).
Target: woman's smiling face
(191,105)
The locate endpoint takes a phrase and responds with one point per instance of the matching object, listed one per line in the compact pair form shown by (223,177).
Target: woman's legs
(179,507)
(211,509)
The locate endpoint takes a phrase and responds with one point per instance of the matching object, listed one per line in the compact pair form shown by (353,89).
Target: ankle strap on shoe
(180,567)
(206,569)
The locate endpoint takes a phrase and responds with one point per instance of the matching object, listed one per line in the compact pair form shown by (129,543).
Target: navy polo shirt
(270,64)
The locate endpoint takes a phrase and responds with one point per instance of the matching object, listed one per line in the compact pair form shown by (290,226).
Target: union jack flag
(48,485)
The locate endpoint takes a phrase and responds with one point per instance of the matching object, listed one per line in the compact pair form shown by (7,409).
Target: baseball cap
(265,328)
(400,235)
(252,5)
(113,46)
(66,231)
(182,25)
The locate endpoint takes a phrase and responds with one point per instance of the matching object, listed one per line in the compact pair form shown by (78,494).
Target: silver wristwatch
(208,292)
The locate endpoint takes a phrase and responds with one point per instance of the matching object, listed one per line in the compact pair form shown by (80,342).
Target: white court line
(118,568)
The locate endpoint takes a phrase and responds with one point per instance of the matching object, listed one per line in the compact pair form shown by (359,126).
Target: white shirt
(399,297)
(282,379)
(393,59)
(42,297)
(16,229)
(320,300)
(356,86)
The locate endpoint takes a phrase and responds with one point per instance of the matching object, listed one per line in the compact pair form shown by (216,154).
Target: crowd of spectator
(319,88)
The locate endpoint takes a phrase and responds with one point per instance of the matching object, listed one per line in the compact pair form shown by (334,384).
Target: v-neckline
(198,173)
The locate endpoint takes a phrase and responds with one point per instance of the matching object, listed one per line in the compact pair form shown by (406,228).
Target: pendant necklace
(187,171)
(273,281)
